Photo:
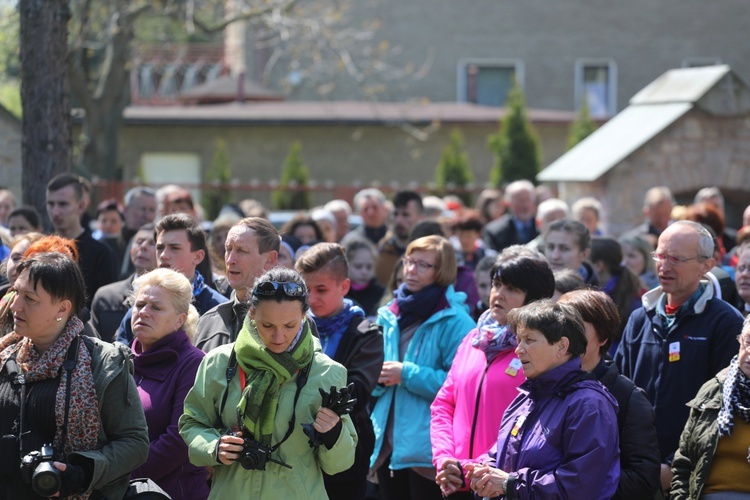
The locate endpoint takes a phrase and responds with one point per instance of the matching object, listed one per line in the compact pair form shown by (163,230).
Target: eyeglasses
(675,261)
(271,288)
(744,342)
(421,265)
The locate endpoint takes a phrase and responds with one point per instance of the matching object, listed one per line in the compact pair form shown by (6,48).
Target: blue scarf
(413,307)
(331,330)
(199,284)
(492,337)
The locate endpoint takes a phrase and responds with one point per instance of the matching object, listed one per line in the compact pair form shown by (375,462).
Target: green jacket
(123,434)
(201,426)
(692,461)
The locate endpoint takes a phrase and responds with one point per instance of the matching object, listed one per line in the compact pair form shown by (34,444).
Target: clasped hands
(486,481)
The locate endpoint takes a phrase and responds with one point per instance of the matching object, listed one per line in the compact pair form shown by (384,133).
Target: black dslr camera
(254,455)
(38,471)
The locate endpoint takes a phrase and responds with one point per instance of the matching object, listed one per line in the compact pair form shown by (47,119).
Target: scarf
(735,399)
(266,372)
(199,284)
(413,307)
(492,337)
(83,416)
(330,330)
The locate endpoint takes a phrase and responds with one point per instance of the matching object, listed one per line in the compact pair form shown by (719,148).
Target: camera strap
(302,377)
(69,364)
(12,368)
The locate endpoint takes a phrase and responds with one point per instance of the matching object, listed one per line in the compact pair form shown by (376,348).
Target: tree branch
(284,6)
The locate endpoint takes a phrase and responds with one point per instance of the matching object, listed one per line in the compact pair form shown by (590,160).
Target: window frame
(580,66)
(462,80)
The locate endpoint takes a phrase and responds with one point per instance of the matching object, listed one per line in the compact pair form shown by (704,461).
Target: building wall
(644,38)
(345,155)
(10,154)
(697,151)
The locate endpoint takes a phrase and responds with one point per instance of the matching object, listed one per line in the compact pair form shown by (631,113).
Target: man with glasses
(681,337)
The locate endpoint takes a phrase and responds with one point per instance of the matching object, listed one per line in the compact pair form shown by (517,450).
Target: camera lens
(46,480)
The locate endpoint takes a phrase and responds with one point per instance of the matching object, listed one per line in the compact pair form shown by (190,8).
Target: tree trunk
(45,96)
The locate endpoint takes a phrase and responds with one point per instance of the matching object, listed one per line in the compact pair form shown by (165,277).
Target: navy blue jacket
(707,338)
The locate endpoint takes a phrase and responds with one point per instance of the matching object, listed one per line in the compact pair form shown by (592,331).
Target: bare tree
(45,96)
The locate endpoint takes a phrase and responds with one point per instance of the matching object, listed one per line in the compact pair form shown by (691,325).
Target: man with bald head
(681,337)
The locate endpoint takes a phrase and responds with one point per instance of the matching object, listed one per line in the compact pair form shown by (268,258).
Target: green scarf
(265,373)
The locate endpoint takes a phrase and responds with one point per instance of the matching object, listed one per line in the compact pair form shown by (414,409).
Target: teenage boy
(350,339)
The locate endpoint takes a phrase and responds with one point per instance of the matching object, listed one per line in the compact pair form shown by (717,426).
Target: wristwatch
(508,484)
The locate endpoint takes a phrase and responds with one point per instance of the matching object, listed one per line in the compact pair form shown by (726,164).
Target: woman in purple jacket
(165,366)
(559,437)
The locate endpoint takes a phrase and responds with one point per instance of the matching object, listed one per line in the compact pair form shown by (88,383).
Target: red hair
(54,244)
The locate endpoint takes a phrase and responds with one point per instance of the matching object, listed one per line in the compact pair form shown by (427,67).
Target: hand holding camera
(48,477)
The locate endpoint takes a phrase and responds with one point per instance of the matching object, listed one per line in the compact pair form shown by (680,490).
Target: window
(596,81)
(487,81)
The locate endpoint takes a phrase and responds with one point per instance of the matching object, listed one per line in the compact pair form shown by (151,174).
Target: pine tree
(582,127)
(218,175)
(292,193)
(453,172)
(515,146)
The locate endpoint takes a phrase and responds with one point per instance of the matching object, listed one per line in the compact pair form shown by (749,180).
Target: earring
(59,319)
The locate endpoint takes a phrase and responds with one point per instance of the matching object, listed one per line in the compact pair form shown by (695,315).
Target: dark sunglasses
(271,288)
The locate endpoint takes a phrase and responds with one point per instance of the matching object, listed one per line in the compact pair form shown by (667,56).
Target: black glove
(341,402)
(327,438)
(72,480)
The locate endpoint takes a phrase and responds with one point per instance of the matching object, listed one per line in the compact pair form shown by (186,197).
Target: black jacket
(361,352)
(111,303)
(501,233)
(640,463)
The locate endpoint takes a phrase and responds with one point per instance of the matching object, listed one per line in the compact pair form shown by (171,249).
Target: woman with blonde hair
(166,362)
(422,328)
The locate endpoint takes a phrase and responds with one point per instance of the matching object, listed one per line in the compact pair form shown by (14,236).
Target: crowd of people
(512,349)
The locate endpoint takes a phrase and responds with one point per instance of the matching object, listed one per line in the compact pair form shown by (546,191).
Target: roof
(681,85)
(225,89)
(330,113)
(613,142)
(652,110)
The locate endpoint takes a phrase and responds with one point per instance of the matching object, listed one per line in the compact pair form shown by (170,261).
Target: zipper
(476,410)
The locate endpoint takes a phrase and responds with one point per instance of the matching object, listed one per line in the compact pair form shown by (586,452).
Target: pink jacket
(454,407)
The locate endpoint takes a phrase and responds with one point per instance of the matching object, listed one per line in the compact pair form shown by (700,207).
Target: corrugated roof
(613,142)
(338,112)
(681,85)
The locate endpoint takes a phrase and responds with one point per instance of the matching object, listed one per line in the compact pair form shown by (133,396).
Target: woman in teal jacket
(422,329)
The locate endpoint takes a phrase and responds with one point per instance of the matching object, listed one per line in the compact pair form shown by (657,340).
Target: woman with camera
(270,411)
(69,409)
(165,365)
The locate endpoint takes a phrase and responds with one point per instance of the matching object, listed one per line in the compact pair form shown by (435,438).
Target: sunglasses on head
(271,288)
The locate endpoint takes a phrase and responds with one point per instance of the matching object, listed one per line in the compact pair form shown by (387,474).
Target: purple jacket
(566,442)
(164,375)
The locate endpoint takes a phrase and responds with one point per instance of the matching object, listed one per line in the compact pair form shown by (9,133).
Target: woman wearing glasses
(260,411)
(713,460)
(422,328)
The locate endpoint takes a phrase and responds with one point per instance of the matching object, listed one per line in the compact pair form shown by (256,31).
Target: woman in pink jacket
(482,381)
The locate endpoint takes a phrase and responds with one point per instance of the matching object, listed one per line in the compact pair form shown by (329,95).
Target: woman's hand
(486,481)
(325,420)
(450,477)
(390,374)
(229,448)
(72,480)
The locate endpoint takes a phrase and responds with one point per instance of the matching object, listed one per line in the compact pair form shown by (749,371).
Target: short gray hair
(362,195)
(517,186)
(137,192)
(705,240)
